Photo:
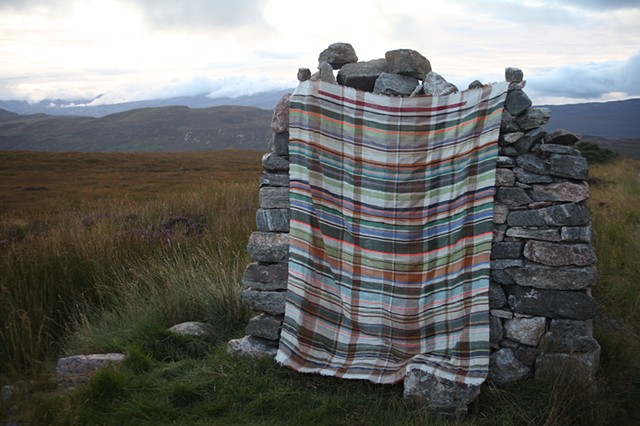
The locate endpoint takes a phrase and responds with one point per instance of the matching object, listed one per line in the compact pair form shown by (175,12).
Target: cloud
(589,80)
(202,13)
(601,4)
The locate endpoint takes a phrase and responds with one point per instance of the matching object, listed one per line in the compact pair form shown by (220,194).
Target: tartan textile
(391,227)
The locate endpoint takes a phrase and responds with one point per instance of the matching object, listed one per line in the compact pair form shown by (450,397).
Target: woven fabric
(391,228)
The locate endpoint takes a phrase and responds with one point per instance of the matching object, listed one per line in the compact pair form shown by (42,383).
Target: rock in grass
(83,365)
(195,329)
(252,347)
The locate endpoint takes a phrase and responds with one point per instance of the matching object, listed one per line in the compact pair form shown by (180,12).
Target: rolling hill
(175,128)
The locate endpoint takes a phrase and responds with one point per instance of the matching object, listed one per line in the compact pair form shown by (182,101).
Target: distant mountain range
(193,123)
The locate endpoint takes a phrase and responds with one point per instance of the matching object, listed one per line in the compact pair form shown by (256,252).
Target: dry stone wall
(543,261)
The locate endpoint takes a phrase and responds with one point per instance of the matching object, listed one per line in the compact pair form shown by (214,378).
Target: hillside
(611,120)
(175,128)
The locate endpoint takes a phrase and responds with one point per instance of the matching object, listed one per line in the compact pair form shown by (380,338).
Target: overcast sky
(570,50)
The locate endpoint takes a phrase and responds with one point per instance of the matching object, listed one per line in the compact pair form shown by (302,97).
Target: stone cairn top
(542,259)
(402,72)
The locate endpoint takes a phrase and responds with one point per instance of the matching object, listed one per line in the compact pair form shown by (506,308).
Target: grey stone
(326,73)
(265,326)
(563,137)
(434,84)
(569,166)
(407,62)
(274,179)
(505,263)
(83,365)
(563,191)
(517,85)
(196,329)
(304,74)
(568,336)
(527,355)
(271,302)
(505,177)
(500,212)
(512,196)
(533,117)
(507,250)
(8,392)
(559,215)
(501,313)
(539,204)
(517,102)
(498,233)
(576,234)
(532,163)
(496,331)
(580,366)
(417,91)
(508,151)
(553,148)
(272,220)
(395,84)
(266,277)
(252,347)
(362,75)
(338,55)
(274,197)
(530,141)
(505,368)
(534,233)
(272,162)
(510,138)
(552,303)
(513,75)
(510,344)
(526,177)
(560,254)
(437,394)
(270,247)
(501,276)
(475,84)
(527,331)
(497,298)
(280,118)
(508,123)
(279,143)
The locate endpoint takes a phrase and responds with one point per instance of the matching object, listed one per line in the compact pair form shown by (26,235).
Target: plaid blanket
(391,228)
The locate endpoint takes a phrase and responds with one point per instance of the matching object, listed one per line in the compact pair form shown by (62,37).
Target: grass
(112,274)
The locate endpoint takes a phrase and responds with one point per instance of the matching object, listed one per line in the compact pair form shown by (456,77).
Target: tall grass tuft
(99,270)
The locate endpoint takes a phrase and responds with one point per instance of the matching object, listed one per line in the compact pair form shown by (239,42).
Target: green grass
(113,274)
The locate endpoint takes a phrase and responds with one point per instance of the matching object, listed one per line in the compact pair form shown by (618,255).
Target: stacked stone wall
(543,261)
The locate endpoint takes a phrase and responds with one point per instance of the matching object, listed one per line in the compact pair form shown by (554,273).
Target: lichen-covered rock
(505,368)
(395,84)
(559,254)
(553,148)
(563,191)
(326,73)
(507,250)
(554,278)
(563,137)
(274,197)
(265,326)
(527,331)
(551,234)
(280,119)
(437,394)
(362,75)
(279,143)
(552,303)
(274,179)
(338,55)
(271,302)
(273,162)
(526,177)
(534,117)
(407,62)
(513,75)
(434,84)
(196,329)
(500,212)
(508,123)
(272,220)
(83,365)
(252,347)
(496,330)
(270,247)
(576,233)
(304,74)
(560,215)
(505,177)
(569,166)
(512,197)
(266,277)
(497,298)
(569,336)
(517,102)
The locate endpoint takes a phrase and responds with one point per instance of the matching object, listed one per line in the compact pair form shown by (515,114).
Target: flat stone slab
(554,278)
(252,347)
(436,394)
(552,303)
(560,254)
(83,365)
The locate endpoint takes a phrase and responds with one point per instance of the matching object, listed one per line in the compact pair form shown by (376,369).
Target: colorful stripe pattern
(391,228)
